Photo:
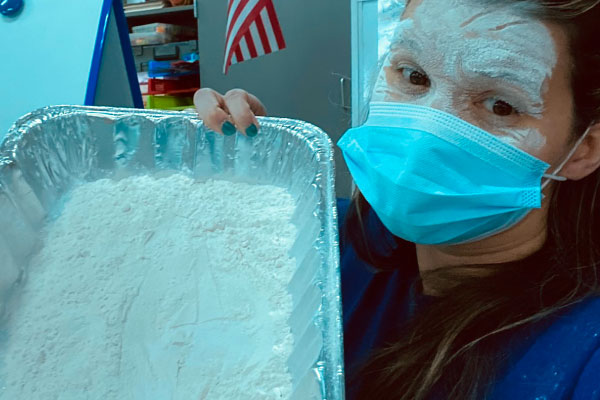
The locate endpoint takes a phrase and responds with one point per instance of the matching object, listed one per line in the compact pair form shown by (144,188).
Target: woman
(471,251)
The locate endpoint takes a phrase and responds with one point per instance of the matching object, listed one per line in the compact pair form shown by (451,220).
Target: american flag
(252,31)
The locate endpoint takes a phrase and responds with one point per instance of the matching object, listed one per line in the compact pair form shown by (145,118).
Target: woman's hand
(223,114)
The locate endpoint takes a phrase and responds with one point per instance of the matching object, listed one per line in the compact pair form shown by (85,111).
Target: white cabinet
(364,54)
(373,26)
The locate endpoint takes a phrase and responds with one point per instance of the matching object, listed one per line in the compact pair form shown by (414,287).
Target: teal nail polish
(228,128)
(252,130)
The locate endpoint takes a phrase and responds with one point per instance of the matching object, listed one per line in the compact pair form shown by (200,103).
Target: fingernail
(228,128)
(252,130)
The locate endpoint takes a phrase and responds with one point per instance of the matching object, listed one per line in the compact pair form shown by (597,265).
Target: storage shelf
(158,11)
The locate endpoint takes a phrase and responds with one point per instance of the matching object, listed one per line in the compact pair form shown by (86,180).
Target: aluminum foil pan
(48,152)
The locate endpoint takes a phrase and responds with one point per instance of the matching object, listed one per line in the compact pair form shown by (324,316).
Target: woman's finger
(243,108)
(212,110)
(256,105)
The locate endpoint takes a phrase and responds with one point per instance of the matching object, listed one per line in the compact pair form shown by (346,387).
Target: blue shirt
(561,361)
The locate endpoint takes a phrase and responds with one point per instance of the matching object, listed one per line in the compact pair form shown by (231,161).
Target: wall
(46,54)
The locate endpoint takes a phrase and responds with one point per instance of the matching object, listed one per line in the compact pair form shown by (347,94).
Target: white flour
(157,289)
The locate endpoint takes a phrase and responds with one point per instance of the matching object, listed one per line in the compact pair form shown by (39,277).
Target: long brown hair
(454,345)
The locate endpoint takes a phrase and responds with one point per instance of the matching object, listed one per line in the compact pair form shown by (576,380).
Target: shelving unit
(143,54)
(180,15)
(158,11)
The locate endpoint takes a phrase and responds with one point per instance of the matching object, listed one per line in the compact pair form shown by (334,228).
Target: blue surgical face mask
(433,178)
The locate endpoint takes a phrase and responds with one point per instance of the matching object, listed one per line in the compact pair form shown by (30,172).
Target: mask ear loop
(554,176)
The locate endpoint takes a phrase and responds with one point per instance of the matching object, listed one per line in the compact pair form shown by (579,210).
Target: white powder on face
(460,42)
(529,140)
(467,38)
(157,289)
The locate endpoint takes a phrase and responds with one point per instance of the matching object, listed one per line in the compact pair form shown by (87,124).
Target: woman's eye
(500,107)
(415,77)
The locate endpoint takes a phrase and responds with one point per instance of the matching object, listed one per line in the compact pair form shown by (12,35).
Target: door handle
(343,96)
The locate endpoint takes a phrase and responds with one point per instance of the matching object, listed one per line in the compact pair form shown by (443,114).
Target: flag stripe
(244,48)
(252,30)
(238,55)
(240,15)
(275,25)
(235,6)
(244,27)
(232,4)
(269,28)
(240,25)
(234,17)
(256,39)
(250,43)
(263,35)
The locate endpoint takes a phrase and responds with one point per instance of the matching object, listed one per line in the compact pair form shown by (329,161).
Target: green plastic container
(169,102)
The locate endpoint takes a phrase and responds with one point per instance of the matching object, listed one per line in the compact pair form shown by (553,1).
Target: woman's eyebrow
(404,42)
(508,75)
(504,75)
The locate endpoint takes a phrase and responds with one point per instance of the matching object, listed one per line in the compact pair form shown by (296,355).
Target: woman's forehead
(463,12)
(472,19)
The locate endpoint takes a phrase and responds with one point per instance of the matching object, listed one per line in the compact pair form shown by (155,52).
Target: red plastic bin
(173,86)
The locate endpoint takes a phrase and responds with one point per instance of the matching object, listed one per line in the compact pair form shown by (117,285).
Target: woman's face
(492,65)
